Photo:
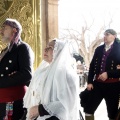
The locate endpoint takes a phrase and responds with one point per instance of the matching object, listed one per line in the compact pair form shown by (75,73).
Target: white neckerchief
(107,47)
(55,86)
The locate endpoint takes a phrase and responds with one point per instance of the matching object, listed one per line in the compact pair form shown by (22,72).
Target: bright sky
(72,12)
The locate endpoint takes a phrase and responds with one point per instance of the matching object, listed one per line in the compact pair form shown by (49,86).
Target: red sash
(109,80)
(12,93)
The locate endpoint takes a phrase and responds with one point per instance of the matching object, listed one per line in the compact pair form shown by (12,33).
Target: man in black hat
(103,78)
(16,64)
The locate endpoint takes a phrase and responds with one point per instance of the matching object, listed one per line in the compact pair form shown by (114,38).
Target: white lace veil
(55,85)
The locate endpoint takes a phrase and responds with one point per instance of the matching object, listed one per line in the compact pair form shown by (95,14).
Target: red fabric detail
(109,80)
(12,93)
(9,117)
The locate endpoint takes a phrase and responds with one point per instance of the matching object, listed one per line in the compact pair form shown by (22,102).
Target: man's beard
(5,39)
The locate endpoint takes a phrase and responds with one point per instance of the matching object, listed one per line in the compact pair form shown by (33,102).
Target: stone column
(49,18)
(52,19)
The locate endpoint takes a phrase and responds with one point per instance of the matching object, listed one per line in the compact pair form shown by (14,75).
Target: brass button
(10,61)
(1,75)
(6,68)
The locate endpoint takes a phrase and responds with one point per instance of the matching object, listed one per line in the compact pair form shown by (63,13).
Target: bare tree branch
(86,50)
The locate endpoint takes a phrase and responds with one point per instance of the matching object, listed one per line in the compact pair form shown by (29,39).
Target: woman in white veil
(53,91)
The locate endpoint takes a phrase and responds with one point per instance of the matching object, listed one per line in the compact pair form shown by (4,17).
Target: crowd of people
(51,92)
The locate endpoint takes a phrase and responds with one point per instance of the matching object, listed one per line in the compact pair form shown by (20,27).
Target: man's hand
(89,86)
(118,66)
(103,76)
(33,113)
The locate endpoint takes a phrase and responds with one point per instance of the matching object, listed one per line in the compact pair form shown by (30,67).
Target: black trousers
(108,91)
(17,110)
(2,110)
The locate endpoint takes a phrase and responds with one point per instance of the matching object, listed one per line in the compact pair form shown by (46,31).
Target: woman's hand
(33,113)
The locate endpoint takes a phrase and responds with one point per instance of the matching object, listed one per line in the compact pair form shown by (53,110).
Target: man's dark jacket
(19,60)
(112,61)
